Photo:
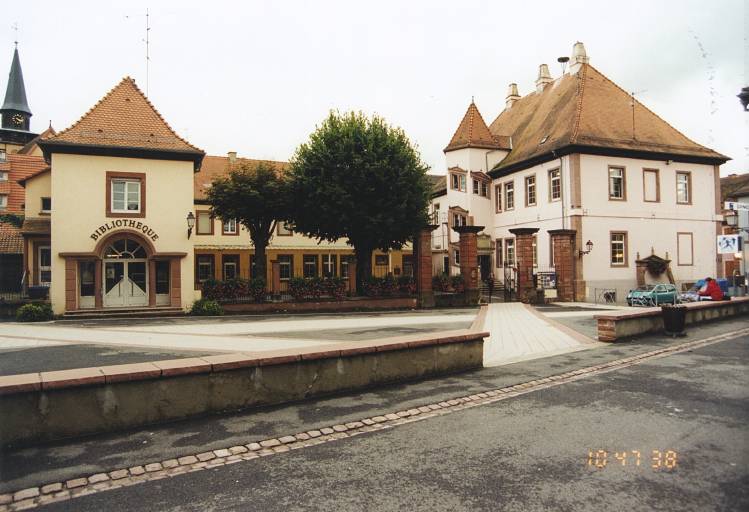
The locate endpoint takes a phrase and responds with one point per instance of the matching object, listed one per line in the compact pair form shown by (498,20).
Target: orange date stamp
(657,459)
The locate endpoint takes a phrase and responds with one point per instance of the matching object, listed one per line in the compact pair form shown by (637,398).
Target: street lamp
(732,218)
(588,246)
(190,224)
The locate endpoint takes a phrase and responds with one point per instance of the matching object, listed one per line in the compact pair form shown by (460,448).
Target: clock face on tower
(17,120)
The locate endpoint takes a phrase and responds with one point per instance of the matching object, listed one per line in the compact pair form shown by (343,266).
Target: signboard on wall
(731,205)
(729,244)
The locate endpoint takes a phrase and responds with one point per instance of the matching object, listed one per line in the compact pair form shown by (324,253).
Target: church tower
(15,112)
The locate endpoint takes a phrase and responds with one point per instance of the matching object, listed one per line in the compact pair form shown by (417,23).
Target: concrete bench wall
(53,405)
(624,324)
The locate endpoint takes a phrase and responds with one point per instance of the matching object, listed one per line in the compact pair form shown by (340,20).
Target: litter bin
(674,319)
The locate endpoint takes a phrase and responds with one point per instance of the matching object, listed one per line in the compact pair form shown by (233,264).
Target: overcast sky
(257,76)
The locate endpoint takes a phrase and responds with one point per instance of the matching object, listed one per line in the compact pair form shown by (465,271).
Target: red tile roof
(588,109)
(18,167)
(11,241)
(124,118)
(472,132)
(216,166)
(34,143)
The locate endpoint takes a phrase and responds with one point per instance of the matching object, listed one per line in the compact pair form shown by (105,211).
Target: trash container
(674,319)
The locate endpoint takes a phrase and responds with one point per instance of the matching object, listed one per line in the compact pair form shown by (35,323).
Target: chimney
(512,95)
(544,77)
(232,156)
(579,57)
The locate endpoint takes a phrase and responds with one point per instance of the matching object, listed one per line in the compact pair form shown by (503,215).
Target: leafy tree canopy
(257,195)
(361,179)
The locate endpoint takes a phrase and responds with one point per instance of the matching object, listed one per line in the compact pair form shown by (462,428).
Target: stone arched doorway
(123,271)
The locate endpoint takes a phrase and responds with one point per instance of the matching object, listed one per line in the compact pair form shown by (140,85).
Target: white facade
(683,233)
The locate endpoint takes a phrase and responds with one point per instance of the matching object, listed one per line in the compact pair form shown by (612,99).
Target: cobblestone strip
(33,497)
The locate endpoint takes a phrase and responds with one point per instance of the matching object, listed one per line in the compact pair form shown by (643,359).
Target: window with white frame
(683,187)
(204,264)
(535,250)
(510,252)
(309,265)
(530,190)
(3,201)
(555,185)
(329,262)
(344,266)
(125,196)
(3,175)
(458,181)
(230,227)
(498,198)
(456,257)
(619,249)
(44,265)
(616,183)
(509,196)
(476,187)
(2,155)
(285,266)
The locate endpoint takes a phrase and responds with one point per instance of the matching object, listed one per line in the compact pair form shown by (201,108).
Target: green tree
(361,179)
(257,196)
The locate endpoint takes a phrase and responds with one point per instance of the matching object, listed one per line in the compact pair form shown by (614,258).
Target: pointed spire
(472,132)
(15,94)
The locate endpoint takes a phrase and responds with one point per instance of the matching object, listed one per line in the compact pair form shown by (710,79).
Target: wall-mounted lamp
(588,247)
(190,224)
(731,218)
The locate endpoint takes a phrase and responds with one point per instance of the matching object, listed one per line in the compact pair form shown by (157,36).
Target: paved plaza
(518,332)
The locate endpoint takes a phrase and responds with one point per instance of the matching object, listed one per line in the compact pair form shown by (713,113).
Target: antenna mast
(148,55)
(632,94)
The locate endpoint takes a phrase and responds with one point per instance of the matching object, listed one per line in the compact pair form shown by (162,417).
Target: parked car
(653,295)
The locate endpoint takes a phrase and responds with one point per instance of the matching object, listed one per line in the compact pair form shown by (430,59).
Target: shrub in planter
(256,287)
(232,289)
(457,284)
(336,287)
(315,287)
(298,288)
(441,282)
(372,287)
(389,285)
(206,307)
(212,289)
(407,285)
(34,312)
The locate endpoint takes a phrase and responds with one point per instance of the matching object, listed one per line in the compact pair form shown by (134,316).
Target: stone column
(275,278)
(524,260)
(175,283)
(71,284)
(151,282)
(351,275)
(98,299)
(565,261)
(423,272)
(469,263)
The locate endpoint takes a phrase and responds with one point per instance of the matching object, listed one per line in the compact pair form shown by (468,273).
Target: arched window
(125,248)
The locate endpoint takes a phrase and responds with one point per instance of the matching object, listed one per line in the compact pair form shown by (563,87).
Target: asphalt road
(529,452)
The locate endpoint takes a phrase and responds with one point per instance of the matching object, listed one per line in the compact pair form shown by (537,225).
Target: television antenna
(633,103)
(147,40)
